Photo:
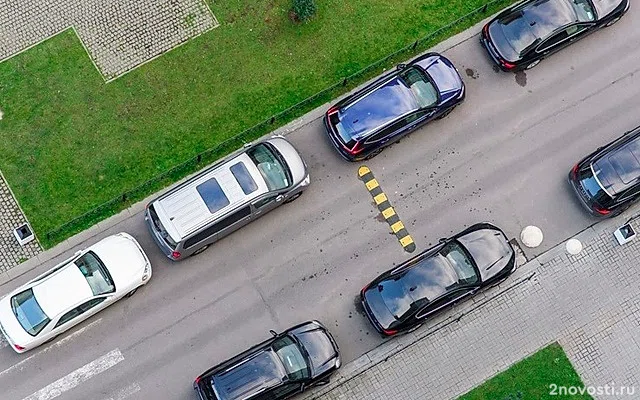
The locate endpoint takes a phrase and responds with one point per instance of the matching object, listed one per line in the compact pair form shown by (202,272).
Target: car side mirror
(279,198)
(77,253)
(442,240)
(401,66)
(274,333)
(246,145)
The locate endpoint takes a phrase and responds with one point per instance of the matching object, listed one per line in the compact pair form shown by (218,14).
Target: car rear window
(242,175)
(592,189)
(212,194)
(28,312)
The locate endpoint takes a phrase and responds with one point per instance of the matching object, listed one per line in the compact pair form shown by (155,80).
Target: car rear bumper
(156,236)
(486,43)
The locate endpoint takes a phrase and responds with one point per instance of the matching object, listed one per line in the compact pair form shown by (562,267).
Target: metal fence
(139,192)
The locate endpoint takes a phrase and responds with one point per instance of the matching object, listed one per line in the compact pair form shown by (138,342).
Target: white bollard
(573,246)
(531,236)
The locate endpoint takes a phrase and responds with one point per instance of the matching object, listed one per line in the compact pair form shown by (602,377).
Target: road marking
(385,208)
(78,376)
(126,392)
(51,346)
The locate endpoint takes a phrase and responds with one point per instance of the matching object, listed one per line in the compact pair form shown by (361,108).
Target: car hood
(319,347)
(605,7)
(123,257)
(10,325)
(490,250)
(443,73)
(294,161)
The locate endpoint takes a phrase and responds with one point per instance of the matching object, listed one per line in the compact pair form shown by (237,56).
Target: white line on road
(126,392)
(56,344)
(78,376)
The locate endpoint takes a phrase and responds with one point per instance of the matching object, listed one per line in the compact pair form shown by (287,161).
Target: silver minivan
(226,196)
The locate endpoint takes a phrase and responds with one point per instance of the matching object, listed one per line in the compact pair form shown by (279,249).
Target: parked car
(362,124)
(607,181)
(226,196)
(456,268)
(522,35)
(288,363)
(72,291)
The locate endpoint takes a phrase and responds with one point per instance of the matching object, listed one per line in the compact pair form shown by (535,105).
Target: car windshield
(583,10)
(422,89)
(294,361)
(28,312)
(271,167)
(428,279)
(461,263)
(96,274)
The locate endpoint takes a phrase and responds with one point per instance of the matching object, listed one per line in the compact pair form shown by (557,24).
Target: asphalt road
(502,157)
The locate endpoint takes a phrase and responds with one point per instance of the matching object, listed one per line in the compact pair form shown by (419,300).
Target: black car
(608,180)
(522,35)
(286,364)
(360,125)
(456,268)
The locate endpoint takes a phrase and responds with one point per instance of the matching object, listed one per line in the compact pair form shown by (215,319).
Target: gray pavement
(11,217)
(119,36)
(589,303)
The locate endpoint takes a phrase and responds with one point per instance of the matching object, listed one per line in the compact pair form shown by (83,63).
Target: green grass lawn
(69,142)
(532,378)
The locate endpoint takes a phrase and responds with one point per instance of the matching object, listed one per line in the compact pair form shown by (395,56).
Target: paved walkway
(589,303)
(11,217)
(119,36)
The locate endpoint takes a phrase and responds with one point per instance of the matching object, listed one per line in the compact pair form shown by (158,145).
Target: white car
(72,291)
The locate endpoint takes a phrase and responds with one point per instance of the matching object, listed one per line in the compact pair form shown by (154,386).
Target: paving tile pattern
(11,217)
(589,303)
(118,35)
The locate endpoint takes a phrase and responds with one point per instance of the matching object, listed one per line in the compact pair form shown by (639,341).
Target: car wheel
(444,114)
(533,64)
(373,154)
(292,198)
(201,249)
(131,293)
(613,21)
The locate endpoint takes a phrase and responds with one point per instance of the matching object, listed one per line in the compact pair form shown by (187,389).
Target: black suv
(607,181)
(521,36)
(456,268)
(360,125)
(286,364)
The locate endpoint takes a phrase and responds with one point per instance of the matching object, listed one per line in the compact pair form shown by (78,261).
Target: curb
(81,238)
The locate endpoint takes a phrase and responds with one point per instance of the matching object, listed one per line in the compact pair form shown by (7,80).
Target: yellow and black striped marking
(383,204)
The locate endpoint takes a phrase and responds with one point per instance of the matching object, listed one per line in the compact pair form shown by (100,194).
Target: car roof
(425,279)
(62,290)
(535,20)
(184,210)
(260,371)
(545,16)
(619,169)
(378,107)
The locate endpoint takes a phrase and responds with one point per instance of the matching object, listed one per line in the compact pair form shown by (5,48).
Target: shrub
(304,9)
